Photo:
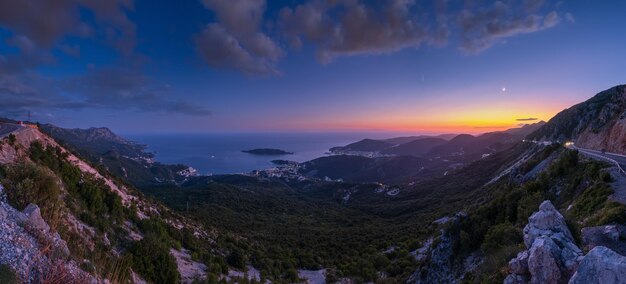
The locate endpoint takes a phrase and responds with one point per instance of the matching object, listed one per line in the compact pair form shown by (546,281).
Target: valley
(448,209)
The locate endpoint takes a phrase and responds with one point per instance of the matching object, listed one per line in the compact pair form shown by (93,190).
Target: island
(267,152)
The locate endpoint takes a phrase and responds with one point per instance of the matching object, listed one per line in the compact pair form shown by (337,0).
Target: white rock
(543,263)
(519,265)
(547,221)
(602,266)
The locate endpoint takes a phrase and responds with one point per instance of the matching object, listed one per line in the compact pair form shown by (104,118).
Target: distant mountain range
(440,145)
(406,159)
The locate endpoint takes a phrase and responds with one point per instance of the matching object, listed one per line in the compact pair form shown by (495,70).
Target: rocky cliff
(598,123)
(64,220)
(552,255)
(28,246)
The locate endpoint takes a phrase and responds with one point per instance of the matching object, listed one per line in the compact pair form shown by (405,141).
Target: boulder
(610,236)
(551,255)
(516,279)
(3,213)
(543,262)
(519,265)
(59,248)
(34,221)
(602,266)
(546,222)
(37,226)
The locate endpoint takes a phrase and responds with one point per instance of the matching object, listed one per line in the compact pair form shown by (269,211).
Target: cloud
(527,119)
(45,22)
(570,18)
(236,41)
(28,57)
(126,88)
(483,27)
(533,5)
(354,27)
(350,27)
(220,49)
(116,88)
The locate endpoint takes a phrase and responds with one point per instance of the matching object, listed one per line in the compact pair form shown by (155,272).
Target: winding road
(617,159)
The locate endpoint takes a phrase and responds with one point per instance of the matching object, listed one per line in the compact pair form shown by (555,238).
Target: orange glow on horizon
(472,121)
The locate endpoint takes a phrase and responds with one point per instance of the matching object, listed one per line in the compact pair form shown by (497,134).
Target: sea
(221,153)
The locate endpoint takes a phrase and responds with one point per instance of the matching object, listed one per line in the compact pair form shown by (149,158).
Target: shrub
(500,236)
(7,275)
(236,259)
(591,200)
(12,139)
(27,183)
(606,177)
(612,212)
(151,258)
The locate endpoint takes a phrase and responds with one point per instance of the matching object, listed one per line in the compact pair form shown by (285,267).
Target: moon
(503,89)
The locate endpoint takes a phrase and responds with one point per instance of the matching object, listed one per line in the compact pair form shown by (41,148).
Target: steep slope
(123,158)
(598,123)
(68,206)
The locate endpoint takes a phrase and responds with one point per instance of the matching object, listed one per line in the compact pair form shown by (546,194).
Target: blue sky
(255,65)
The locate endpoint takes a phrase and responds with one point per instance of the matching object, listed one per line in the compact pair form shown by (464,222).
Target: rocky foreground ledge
(30,248)
(552,255)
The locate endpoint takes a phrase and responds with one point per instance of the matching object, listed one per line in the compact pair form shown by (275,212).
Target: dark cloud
(236,41)
(349,27)
(483,27)
(527,119)
(221,49)
(110,88)
(126,88)
(28,57)
(45,22)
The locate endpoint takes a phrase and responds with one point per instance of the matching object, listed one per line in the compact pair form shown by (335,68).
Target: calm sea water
(220,153)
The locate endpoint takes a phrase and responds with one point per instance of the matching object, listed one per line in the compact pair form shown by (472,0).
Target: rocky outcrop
(598,123)
(28,246)
(437,255)
(440,269)
(601,266)
(37,226)
(610,236)
(551,256)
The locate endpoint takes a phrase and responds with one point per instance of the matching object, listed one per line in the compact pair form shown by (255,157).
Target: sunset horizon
(312,142)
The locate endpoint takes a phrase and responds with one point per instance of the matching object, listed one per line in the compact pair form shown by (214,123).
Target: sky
(305,65)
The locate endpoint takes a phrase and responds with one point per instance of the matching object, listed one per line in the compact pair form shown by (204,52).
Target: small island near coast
(267,152)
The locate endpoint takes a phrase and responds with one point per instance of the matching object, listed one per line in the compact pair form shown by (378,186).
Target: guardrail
(588,152)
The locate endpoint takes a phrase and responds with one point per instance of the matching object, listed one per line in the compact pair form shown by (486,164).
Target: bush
(12,139)
(99,206)
(27,183)
(591,200)
(7,276)
(151,258)
(500,236)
